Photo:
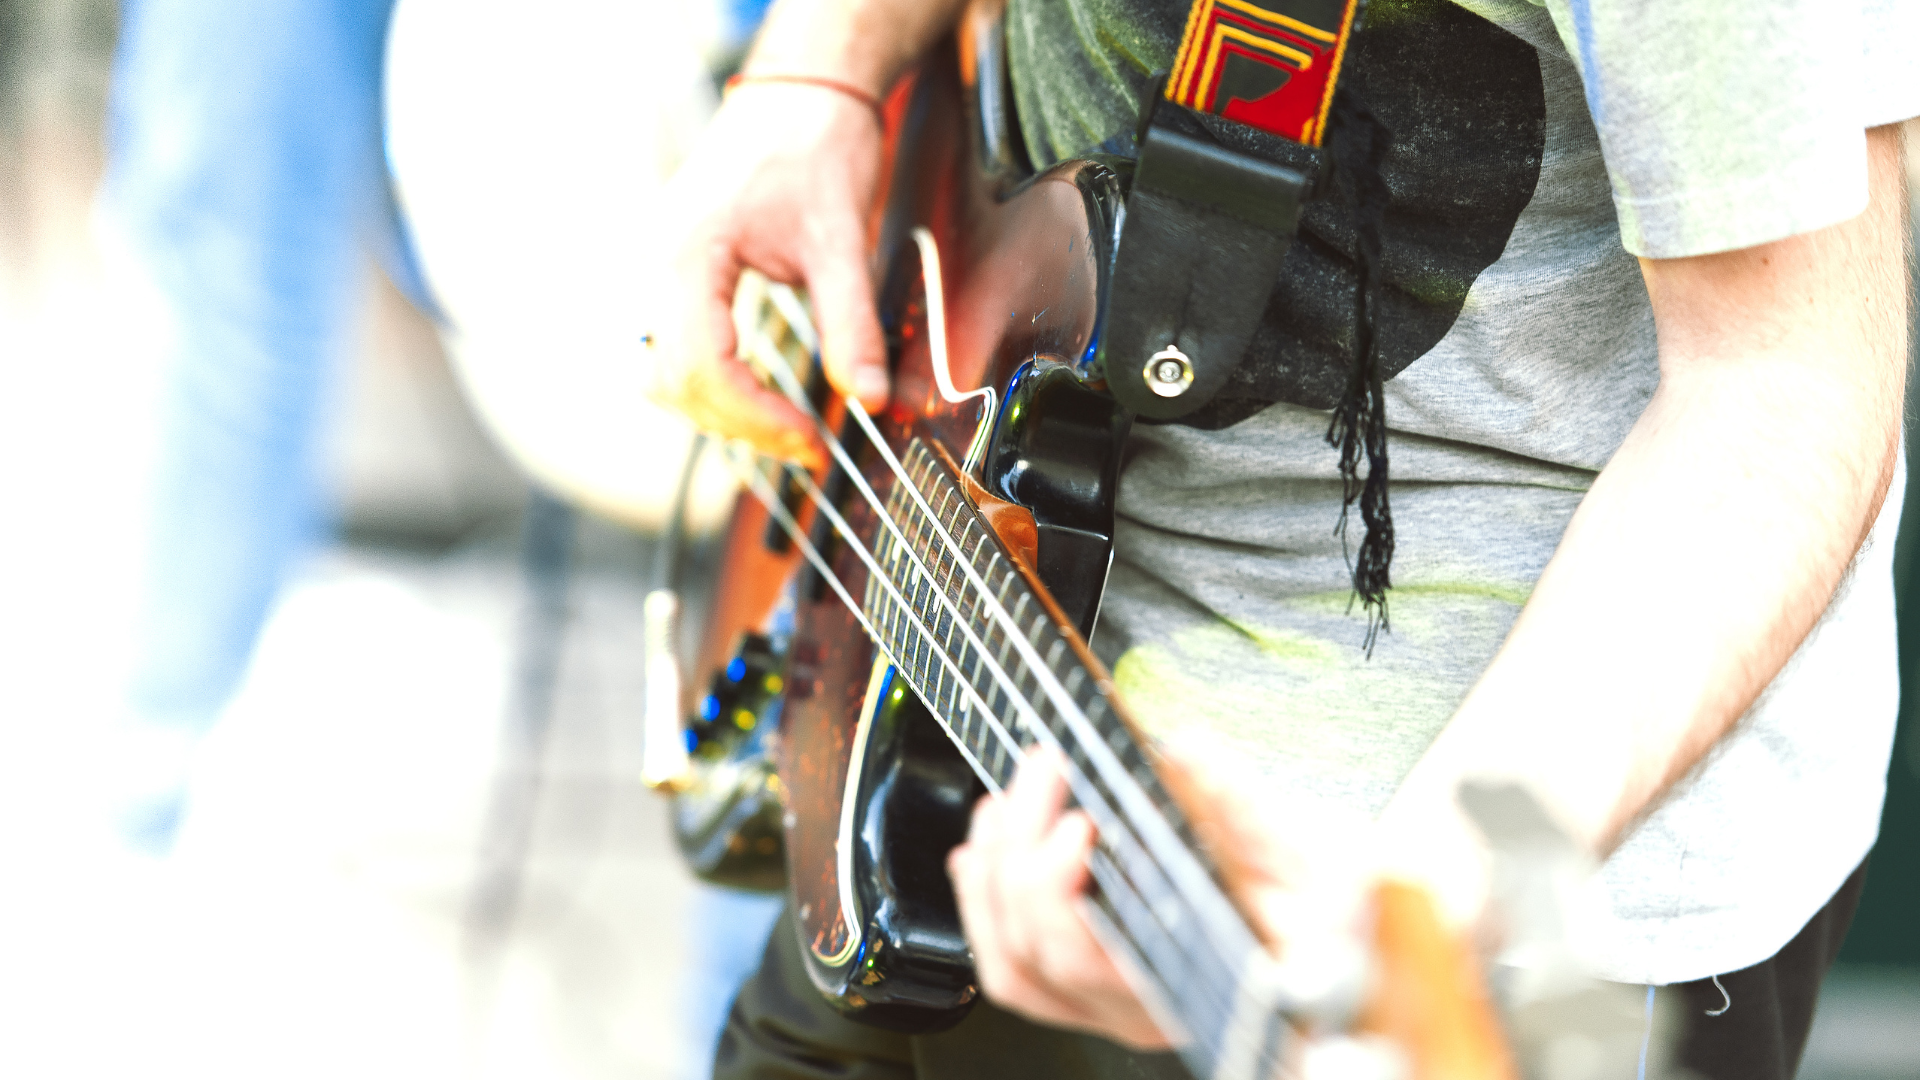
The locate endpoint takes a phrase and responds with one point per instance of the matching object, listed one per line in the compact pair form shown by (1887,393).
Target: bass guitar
(891,635)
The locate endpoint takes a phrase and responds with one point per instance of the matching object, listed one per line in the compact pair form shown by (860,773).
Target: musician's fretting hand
(1021,880)
(784,181)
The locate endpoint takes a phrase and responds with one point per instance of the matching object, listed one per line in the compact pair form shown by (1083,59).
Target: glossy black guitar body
(877,792)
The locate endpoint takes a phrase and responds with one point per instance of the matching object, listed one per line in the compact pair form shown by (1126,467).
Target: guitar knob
(740,688)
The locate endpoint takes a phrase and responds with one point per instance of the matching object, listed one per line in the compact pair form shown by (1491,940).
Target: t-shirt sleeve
(1891,74)
(1727,124)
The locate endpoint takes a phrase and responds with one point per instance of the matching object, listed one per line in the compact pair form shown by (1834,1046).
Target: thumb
(851,346)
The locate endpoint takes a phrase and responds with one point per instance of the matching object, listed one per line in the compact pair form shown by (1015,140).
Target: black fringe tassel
(1359,144)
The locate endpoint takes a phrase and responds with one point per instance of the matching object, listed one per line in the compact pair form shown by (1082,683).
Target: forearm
(1711,542)
(864,42)
(1702,556)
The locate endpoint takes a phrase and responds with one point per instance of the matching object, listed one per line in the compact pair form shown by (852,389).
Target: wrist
(847,91)
(865,44)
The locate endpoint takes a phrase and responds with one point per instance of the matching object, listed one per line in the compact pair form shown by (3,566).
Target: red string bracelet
(872,103)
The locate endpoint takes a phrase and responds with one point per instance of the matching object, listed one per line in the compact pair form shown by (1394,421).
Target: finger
(840,283)
(982,917)
(971,867)
(1032,809)
(1069,961)
(1043,878)
(1098,998)
(711,266)
(1064,953)
(728,398)
(1060,860)
(1035,798)
(700,375)
(1056,951)
(980,876)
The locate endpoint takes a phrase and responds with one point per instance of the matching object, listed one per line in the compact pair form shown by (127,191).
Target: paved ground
(314,920)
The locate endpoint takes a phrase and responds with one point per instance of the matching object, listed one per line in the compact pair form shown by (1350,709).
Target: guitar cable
(664,761)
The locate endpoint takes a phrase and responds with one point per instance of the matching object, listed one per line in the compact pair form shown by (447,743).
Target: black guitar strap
(1207,226)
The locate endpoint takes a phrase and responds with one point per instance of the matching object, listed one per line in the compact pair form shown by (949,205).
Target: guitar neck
(1002,670)
(978,642)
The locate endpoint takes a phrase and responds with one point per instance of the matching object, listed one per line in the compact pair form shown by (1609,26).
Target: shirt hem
(1744,213)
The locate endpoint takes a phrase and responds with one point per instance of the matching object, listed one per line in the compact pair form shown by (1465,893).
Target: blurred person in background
(245,174)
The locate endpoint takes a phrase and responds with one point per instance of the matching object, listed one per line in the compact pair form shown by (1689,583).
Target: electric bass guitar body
(878,789)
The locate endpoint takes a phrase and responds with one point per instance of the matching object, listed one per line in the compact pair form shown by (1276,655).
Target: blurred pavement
(311,923)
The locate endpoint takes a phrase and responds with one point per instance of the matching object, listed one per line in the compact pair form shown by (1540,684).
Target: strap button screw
(1169,372)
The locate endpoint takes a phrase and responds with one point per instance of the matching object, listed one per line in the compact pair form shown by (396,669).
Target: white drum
(528,146)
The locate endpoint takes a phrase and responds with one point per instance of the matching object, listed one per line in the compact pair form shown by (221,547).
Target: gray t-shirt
(1661,129)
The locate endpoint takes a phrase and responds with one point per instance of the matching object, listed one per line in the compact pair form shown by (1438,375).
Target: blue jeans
(245,170)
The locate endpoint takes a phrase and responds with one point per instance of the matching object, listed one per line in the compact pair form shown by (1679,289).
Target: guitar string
(1158,832)
(1028,716)
(1198,887)
(1171,853)
(1124,894)
(756,483)
(1105,866)
(1015,634)
(1090,796)
(1153,944)
(1122,842)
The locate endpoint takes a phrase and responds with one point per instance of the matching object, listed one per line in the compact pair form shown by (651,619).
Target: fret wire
(944,631)
(897,604)
(1160,954)
(1128,786)
(758,485)
(1130,790)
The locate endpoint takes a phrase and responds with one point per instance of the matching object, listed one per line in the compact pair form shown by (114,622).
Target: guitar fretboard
(996,668)
(950,651)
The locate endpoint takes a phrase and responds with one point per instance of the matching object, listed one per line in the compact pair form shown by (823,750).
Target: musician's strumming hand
(784,181)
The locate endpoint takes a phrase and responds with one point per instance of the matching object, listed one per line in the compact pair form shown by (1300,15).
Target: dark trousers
(1769,1006)
(781,1029)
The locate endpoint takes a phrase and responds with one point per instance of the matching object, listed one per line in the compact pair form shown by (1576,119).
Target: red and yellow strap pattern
(1270,64)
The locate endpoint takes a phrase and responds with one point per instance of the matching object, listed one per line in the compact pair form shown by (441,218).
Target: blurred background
(331,901)
(417,843)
